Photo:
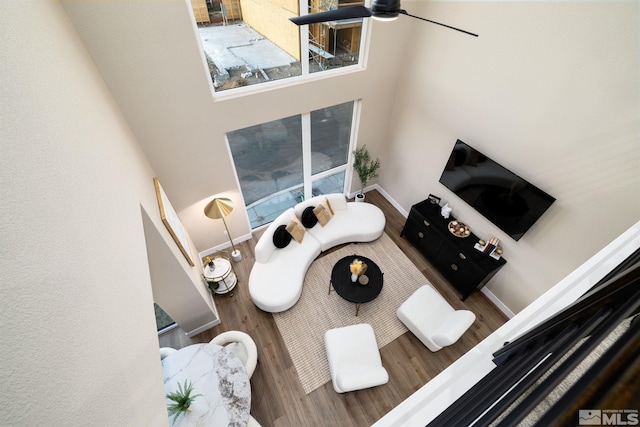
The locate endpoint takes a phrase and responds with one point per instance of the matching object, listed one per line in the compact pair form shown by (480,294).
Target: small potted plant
(182,400)
(366,168)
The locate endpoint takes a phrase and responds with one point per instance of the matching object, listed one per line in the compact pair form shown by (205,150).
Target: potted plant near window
(366,168)
(181,400)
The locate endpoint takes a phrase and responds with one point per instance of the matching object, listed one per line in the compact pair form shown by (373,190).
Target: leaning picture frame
(172,222)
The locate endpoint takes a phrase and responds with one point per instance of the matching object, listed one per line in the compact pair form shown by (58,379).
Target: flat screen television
(507,200)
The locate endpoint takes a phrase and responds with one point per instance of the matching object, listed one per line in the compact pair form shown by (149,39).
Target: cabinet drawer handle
(454,267)
(425,222)
(420,234)
(462,256)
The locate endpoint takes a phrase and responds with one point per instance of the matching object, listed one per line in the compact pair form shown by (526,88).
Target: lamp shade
(218,208)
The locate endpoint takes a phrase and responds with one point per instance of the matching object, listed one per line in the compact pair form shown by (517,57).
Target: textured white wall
(79,343)
(550,90)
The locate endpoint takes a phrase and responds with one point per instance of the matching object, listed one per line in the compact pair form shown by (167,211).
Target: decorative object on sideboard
(446,211)
(219,208)
(435,200)
(459,229)
(366,168)
(490,248)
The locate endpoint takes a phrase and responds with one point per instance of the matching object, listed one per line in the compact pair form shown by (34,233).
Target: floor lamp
(218,208)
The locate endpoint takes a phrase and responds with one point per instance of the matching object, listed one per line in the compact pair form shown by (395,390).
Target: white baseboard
(391,200)
(203,328)
(223,246)
(501,306)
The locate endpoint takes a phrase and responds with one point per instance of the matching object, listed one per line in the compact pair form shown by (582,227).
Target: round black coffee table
(354,291)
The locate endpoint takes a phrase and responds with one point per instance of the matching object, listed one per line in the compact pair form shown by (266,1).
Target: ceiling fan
(380,9)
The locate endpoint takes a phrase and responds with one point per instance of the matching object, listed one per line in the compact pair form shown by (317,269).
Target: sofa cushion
(322,214)
(328,203)
(281,237)
(265,248)
(308,217)
(276,285)
(337,202)
(295,229)
(359,222)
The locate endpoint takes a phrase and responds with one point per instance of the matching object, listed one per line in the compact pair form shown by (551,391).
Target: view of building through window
(248,42)
(269,159)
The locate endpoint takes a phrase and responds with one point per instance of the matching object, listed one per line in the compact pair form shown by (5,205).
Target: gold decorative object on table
(459,229)
(357,268)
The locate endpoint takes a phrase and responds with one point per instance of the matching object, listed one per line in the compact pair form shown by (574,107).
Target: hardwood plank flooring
(278,398)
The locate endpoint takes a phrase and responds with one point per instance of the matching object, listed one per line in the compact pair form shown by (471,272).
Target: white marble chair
(354,358)
(165,351)
(430,318)
(242,345)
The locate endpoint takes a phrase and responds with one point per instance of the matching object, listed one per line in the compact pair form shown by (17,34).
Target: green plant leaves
(182,398)
(364,167)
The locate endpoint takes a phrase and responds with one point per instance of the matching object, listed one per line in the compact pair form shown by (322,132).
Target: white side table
(221,272)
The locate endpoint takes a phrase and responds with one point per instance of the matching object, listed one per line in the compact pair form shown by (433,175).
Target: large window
(247,42)
(280,163)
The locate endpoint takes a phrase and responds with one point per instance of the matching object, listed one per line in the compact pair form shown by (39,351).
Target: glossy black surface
(509,201)
(353,291)
(465,267)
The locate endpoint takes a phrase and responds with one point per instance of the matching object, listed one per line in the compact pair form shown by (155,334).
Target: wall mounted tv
(510,202)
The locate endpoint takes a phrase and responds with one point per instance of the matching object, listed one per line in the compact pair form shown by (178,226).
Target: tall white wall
(549,90)
(79,342)
(156,72)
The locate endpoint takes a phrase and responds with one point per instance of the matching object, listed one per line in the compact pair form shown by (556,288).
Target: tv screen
(510,202)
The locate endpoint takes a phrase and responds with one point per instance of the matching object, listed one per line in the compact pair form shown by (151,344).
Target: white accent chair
(166,351)
(354,358)
(430,318)
(242,345)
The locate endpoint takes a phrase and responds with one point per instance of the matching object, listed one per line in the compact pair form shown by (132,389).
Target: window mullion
(306,154)
(304,40)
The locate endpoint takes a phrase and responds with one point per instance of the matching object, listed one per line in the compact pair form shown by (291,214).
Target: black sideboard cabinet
(465,267)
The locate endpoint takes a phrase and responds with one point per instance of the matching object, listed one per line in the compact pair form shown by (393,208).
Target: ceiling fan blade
(332,15)
(404,12)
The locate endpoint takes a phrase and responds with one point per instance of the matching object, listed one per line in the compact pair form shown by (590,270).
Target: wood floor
(278,398)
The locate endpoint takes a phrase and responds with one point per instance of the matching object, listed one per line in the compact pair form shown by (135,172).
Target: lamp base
(236,256)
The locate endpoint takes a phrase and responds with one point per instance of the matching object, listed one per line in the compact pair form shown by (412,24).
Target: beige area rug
(303,326)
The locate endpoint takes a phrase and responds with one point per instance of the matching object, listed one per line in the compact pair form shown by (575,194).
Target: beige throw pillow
(326,200)
(296,230)
(322,214)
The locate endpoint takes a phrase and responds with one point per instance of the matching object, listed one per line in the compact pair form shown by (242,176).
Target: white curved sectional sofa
(275,283)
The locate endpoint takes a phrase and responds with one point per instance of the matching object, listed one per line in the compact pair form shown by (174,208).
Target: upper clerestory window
(248,42)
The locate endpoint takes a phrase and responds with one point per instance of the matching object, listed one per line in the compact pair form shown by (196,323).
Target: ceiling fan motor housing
(385,8)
